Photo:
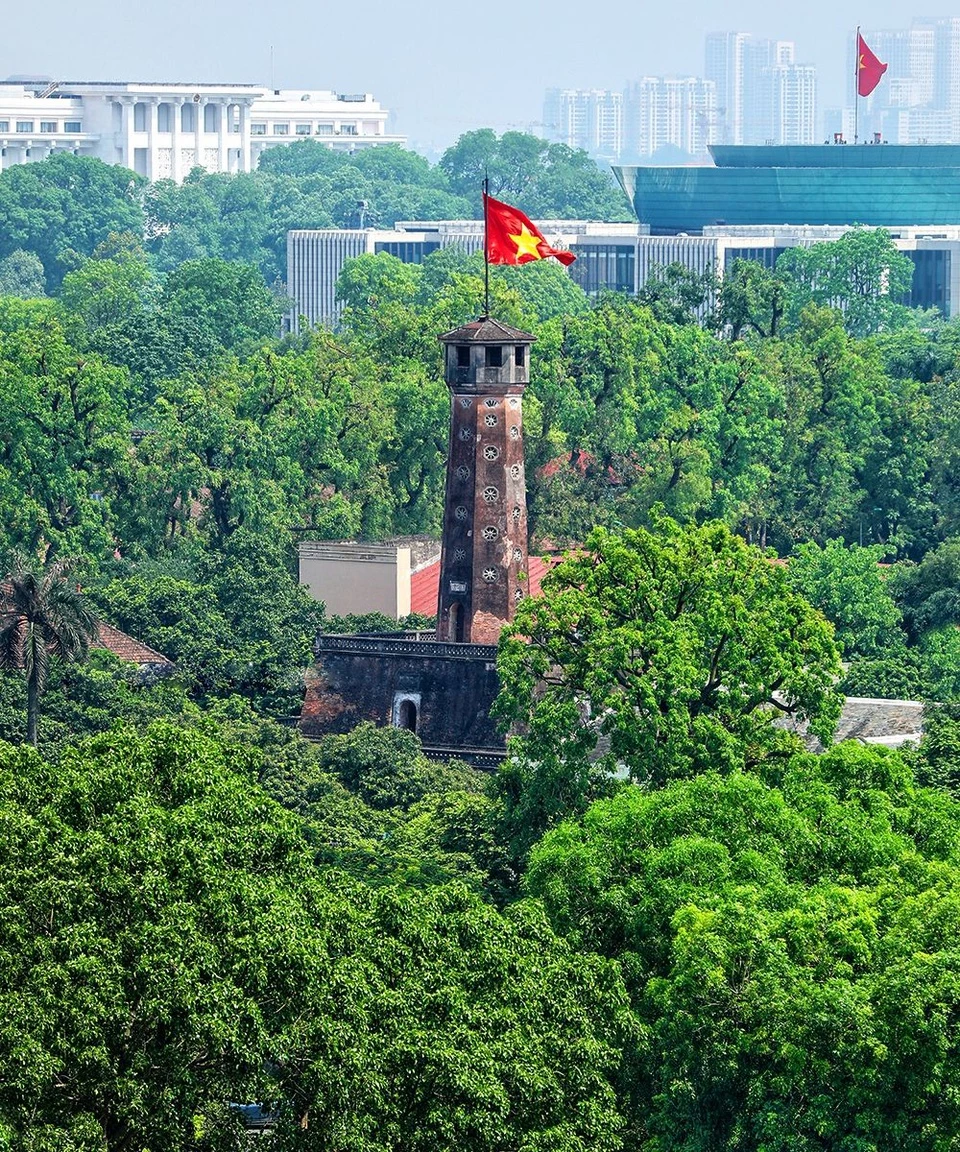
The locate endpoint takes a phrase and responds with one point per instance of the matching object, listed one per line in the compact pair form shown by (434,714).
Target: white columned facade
(153,113)
(176,108)
(94,118)
(199,109)
(223,127)
(126,132)
(244,136)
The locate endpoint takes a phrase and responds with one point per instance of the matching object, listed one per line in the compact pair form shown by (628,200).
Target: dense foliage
(54,214)
(662,926)
(789,948)
(169,945)
(651,656)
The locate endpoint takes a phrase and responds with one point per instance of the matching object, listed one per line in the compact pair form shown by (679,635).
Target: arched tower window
(407,716)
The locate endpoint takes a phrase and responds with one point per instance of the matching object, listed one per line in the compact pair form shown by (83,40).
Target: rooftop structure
(164,130)
(885,185)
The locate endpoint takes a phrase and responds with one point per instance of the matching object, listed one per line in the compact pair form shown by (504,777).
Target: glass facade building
(884,185)
(604,266)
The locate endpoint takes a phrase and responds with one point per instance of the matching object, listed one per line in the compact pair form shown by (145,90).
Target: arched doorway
(407,715)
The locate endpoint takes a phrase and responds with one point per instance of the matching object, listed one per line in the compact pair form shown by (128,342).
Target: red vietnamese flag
(869,69)
(512,239)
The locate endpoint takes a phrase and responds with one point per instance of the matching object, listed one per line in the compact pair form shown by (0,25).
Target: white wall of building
(352,579)
(162,131)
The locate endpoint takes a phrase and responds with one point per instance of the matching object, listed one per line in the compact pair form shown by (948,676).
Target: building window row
(47,127)
(282,128)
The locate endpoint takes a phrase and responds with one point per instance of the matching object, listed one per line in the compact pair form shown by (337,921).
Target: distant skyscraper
(763,95)
(787,112)
(725,69)
(946,65)
(591,119)
(677,111)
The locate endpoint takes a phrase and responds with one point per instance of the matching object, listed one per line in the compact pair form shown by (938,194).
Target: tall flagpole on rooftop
(486,248)
(856,87)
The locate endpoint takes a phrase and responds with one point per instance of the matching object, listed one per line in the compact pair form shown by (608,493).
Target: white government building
(162,131)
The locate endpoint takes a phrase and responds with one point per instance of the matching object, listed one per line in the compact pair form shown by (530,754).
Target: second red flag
(869,69)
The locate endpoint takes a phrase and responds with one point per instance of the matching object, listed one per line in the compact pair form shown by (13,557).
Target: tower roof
(486,331)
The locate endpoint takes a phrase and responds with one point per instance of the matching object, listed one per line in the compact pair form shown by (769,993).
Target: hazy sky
(441,68)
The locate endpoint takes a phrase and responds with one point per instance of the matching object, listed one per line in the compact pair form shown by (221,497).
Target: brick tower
(483,563)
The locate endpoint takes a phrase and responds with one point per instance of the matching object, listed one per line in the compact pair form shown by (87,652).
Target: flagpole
(486,250)
(856,87)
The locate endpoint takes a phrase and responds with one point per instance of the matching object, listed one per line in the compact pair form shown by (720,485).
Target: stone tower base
(442,692)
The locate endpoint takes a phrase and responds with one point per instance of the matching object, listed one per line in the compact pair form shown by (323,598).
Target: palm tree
(41,615)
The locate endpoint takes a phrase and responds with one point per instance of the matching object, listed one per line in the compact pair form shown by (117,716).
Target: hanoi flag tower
(444,688)
(483,561)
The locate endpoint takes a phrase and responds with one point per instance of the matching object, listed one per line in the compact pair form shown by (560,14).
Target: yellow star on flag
(527,244)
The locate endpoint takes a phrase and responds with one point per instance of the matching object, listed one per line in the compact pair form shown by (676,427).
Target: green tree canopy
(929,592)
(863,274)
(849,588)
(790,952)
(545,180)
(168,945)
(42,615)
(656,655)
(62,208)
(21,274)
(752,300)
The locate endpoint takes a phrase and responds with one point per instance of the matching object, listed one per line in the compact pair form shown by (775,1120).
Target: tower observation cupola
(483,563)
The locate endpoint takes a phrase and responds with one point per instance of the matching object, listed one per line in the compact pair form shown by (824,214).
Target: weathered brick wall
(454,687)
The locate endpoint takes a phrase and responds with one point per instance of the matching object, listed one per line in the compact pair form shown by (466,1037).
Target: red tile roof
(115,641)
(126,648)
(425,584)
(487,331)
